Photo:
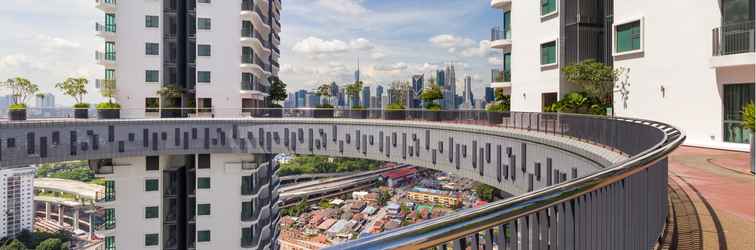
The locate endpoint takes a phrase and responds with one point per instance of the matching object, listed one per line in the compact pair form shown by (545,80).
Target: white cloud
(344,7)
(483,49)
(56,42)
(287,68)
(448,41)
(394,67)
(361,44)
(427,67)
(314,45)
(377,55)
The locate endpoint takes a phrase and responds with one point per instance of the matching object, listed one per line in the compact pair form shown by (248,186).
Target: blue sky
(49,40)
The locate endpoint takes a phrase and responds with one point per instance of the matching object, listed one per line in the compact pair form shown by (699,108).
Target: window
(151,239)
(151,212)
(152,49)
(203,161)
(203,209)
(205,104)
(203,76)
(203,1)
(151,21)
(110,243)
(735,97)
(203,183)
(203,50)
(628,37)
(152,162)
(247,55)
(203,23)
(548,53)
(151,185)
(110,221)
(152,105)
(203,236)
(110,23)
(110,51)
(151,76)
(548,7)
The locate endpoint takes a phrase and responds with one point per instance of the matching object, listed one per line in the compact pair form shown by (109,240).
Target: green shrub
(395,106)
(81,105)
(578,103)
(17,106)
(497,107)
(50,244)
(749,118)
(433,107)
(13,245)
(325,106)
(358,107)
(108,105)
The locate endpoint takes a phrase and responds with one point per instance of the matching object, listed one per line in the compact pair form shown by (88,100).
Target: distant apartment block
(16,200)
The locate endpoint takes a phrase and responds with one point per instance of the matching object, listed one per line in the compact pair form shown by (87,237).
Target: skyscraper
(440,78)
(468,95)
(379,94)
(45,101)
(357,72)
(490,95)
(365,97)
(417,89)
(450,87)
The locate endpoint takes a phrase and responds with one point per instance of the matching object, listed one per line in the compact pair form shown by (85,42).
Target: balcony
(108,6)
(250,12)
(107,31)
(733,45)
(501,4)
(107,59)
(501,79)
(501,38)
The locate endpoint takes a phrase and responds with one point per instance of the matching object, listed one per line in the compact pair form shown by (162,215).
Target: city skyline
(423,37)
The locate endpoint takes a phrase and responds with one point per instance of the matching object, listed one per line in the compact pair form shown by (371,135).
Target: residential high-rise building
(16,200)
(334,89)
(639,37)
(468,95)
(440,78)
(379,95)
(301,97)
(220,55)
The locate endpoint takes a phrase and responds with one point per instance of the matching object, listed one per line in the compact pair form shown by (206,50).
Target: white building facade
(694,70)
(16,200)
(220,56)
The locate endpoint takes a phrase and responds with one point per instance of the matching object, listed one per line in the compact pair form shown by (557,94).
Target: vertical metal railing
(734,38)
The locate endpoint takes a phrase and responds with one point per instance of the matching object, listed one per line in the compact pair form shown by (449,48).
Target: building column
(60,214)
(47,210)
(76,219)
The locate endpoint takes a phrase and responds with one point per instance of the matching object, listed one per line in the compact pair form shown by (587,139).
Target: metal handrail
(472,221)
(734,38)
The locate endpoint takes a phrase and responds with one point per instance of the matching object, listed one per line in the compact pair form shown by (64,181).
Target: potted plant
(498,109)
(324,110)
(277,94)
(20,91)
(171,99)
(749,118)
(394,111)
(353,91)
(109,109)
(429,96)
(76,88)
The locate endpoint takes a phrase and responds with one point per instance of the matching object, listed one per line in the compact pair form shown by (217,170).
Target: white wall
(131,60)
(131,200)
(677,54)
(529,31)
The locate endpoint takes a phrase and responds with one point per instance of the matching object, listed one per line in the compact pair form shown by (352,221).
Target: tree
(50,244)
(75,88)
(485,192)
(430,94)
(277,89)
(324,90)
(13,245)
(20,90)
(353,90)
(595,78)
(399,91)
(170,93)
(383,197)
(749,118)
(108,90)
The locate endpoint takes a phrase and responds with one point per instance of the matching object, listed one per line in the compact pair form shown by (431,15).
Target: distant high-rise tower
(357,72)
(417,89)
(16,201)
(379,94)
(449,87)
(365,97)
(468,96)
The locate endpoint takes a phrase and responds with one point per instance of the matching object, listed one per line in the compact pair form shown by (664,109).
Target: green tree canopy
(108,89)
(485,192)
(353,90)
(430,94)
(277,89)
(324,90)
(50,244)
(20,89)
(13,245)
(595,78)
(74,87)
(749,118)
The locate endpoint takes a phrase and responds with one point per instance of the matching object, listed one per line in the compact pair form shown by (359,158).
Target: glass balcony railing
(499,33)
(105,56)
(105,27)
(498,75)
(735,38)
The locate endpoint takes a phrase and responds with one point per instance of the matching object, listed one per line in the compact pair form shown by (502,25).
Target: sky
(321,41)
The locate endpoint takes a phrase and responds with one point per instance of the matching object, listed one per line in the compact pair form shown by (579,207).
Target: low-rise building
(432,196)
(400,176)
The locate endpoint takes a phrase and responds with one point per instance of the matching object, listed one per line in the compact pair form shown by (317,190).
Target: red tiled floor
(720,177)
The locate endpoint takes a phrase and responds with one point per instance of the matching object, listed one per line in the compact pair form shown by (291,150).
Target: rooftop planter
(17,112)
(395,111)
(358,112)
(323,111)
(20,90)
(81,111)
(108,110)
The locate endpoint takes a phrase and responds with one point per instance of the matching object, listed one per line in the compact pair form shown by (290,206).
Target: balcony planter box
(434,116)
(398,114)
(81,113)
(322,113)
(17,114)
(358,114)
(107,114)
